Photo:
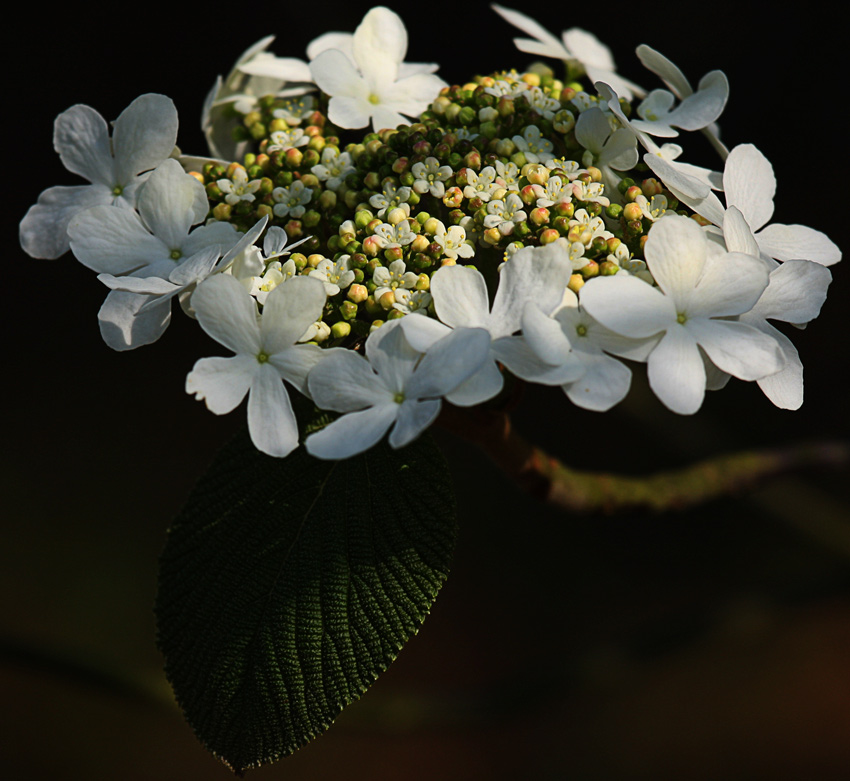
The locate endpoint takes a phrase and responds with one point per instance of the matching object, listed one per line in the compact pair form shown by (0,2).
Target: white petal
(798,242)
(228,313)
(392,356)
(144,135)
(730,285)
(604,383)
(155,286)
(785,388)
(749,184)
(448,363)
(380,44)
(737,234)
(345,382)
(514,353)
(352,433)
(298,361)
(81,137)
(795,293)
(676,372)
(412,419)
(675,252)
(350,112)
(124,327)
(538,274)
(486,383)
(342,41)
(221,382)
(738,349)
(628,306)
(545,336)
(289,310)
(271,420)
(166,203)
(43,232)
(528,25)
(460,297)
(665,70)
(335,74)
(112,240)
(705,105)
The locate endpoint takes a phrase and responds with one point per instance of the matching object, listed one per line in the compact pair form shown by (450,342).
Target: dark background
(707,644)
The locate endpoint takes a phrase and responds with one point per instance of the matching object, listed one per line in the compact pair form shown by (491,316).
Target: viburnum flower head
(699,288)
(142,137)
(371,88)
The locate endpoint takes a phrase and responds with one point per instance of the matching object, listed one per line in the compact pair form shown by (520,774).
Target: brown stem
(578,491)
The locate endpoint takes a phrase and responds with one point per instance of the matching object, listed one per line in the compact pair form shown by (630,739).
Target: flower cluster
(359,267)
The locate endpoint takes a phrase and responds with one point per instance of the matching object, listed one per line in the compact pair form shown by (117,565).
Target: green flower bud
(223,212)
(348,310)
(340,329)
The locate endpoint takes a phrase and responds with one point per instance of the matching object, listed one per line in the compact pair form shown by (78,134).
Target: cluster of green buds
(492,166)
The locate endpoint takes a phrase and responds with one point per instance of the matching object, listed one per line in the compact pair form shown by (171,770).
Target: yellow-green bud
(340,329)
(357,293)
(222,212)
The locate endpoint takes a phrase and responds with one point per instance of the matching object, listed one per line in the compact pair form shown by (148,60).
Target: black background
(713,643)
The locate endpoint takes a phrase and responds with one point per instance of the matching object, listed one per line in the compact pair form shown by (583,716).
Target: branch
(543,476)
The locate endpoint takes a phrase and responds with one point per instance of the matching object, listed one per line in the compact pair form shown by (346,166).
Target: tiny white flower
(393,278)
(481,185)
(291,201)
(333,274)
(391,195)
(412,301)
(505,215)
(453,241)
(431,177)
(398,235)
(333,168)
(532,144)
(239,188)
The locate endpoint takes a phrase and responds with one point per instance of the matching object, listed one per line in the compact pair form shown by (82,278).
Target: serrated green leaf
(288,585)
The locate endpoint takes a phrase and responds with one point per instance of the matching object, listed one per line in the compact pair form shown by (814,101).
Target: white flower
(532,144)
(393,386)
(291,201)
(371,87)
(700,285)
(239,188)
(333,168)
(392,236)
(266,353)
(430,177)
(143,136)
(392,278)
(281,140)
(411,301)
(505,215)
(391,195)
(481,185)
(575,44)
(119,243)
(453,241)
(333,274)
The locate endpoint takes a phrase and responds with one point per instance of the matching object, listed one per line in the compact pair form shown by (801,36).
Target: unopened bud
(340,329)
(357,293)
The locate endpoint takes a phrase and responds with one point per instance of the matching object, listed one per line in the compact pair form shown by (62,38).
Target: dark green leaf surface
(288,585)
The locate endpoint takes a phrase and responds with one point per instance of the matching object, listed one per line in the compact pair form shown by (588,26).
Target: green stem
(574,490)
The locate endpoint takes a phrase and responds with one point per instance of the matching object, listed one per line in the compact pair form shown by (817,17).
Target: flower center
(374,99)
(176,254)
(398,398)
(681,318)
(262,357)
